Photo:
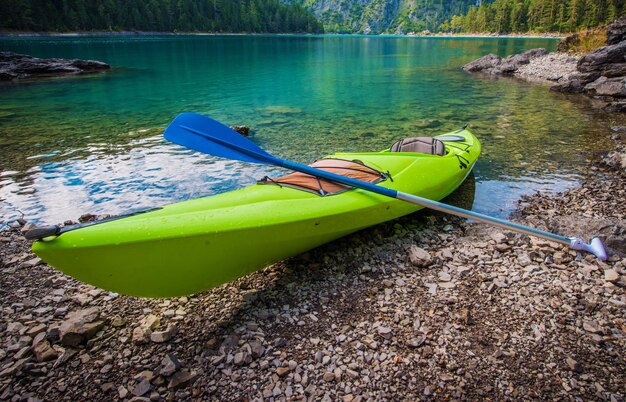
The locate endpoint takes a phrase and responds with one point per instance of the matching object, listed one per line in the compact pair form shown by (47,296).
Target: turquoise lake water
(92,143)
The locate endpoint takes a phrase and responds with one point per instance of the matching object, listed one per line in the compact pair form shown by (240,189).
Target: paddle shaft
(424,202)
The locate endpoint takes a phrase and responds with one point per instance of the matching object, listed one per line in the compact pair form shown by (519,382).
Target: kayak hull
(191,246)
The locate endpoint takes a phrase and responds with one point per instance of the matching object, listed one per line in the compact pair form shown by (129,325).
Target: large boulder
(526,57)
(616,32)
(487,62)
(600,59)
(603,86)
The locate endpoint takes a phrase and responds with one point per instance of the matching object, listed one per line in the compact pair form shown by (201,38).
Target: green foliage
(536,16)
(156,15)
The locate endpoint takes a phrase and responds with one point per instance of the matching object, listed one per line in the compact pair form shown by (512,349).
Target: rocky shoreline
(600,73)
(424,307)
(14,66)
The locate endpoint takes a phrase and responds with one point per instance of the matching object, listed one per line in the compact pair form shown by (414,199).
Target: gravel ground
(551,68)
(424,307)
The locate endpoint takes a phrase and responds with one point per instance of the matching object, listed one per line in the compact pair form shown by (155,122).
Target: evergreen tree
(537,15)
(156,15)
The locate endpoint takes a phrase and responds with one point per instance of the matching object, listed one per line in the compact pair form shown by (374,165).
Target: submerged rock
(18,66)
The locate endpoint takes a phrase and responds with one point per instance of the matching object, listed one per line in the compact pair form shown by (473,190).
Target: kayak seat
(424,145)
(353,169)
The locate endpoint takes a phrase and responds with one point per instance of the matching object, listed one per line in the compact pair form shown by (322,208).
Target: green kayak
(191,246)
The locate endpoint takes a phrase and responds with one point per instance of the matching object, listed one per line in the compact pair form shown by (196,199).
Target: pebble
(573,365)
(142,388)
(80,326)
(164,336)
(181,379)
(419,257)
(610,275)
(169,365)
(328,376)
(385,332)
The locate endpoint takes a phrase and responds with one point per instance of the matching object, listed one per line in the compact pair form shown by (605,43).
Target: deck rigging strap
(354,169)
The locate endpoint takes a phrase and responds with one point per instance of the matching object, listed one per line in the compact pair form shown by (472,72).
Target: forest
(157,16)
(503,16)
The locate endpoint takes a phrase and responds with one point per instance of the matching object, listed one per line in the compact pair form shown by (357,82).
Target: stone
(610,275)
(14,368)
(33,262)
(328,376)
(419,257)
(122,392)
(492,64)
(141,333)
(44,352)
(487,62)
(65,356)
(169,365)
(257,349)
(385,332)
(416,342)
(597,59)
(525,57)
(240,358)
(498,237)
(573,365)
(444,276)
(142,388)
(80,326)
(604,86)
(282,371)
(592,326)
(181,379)
(15,327)
(164,336)
(243,130)
(616,32)
(36,330)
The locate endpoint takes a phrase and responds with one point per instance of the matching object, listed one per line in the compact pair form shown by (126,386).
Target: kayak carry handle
(41,232)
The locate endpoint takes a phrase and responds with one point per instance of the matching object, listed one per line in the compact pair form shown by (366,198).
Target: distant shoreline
(551,35)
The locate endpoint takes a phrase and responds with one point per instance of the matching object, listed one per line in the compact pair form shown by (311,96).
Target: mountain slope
(384,16)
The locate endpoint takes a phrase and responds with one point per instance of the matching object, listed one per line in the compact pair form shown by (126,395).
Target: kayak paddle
(209,136)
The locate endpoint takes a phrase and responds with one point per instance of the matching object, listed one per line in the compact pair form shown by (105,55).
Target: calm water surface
(81,144)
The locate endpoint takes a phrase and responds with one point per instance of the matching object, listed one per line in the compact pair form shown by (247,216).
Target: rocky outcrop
(600,73)
(18,66)
(616,32)
(495,65)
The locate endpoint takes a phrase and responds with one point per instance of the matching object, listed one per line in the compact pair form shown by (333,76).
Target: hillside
(537,16)
(384,16)
(156,15)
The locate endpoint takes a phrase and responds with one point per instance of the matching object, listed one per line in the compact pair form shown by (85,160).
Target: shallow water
(92,143)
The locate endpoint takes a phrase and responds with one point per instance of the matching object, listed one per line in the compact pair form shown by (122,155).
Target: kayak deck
(192,246)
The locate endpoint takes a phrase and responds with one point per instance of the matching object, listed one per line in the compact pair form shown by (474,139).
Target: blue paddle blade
(209,136)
